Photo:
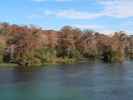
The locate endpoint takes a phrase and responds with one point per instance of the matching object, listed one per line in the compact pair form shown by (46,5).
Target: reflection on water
(88,81)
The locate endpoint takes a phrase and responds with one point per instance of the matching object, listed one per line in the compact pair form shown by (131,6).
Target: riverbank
(49,65)
(7,65)
(29,46)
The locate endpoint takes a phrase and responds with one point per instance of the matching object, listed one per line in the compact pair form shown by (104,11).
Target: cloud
(72,14)
(63,0)
(39,1)
(69,14)
(117,8)
(111,8)
(98,28)
(84,26)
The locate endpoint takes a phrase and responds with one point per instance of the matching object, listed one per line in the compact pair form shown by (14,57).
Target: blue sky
(101,15)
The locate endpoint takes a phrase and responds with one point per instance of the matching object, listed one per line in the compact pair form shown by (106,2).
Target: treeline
(29,45)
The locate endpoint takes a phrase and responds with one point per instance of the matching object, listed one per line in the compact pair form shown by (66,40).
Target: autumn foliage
(29,45)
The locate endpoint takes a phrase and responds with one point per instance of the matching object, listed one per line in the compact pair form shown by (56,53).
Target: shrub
(46,55)
(2,48)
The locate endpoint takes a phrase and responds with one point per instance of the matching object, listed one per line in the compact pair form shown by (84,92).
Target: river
(84,81)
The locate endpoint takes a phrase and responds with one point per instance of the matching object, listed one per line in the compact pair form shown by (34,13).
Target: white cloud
(117,8)
(84,26)
(39,1)
(73,14)
(69,14)
(63,0)
(98,28)
(111,8)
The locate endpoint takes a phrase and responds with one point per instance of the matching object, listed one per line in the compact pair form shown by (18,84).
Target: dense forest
(30,45)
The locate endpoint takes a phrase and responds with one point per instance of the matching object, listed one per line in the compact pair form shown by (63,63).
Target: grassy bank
(7,65)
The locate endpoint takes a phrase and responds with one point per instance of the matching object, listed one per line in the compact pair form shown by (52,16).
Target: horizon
(99,15)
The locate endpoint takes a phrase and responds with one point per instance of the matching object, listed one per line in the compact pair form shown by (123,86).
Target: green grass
(7,65)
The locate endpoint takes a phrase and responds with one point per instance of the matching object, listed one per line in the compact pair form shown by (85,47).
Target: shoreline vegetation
(31,46)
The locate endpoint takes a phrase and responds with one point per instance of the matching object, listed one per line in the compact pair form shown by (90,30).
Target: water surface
(86,81)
